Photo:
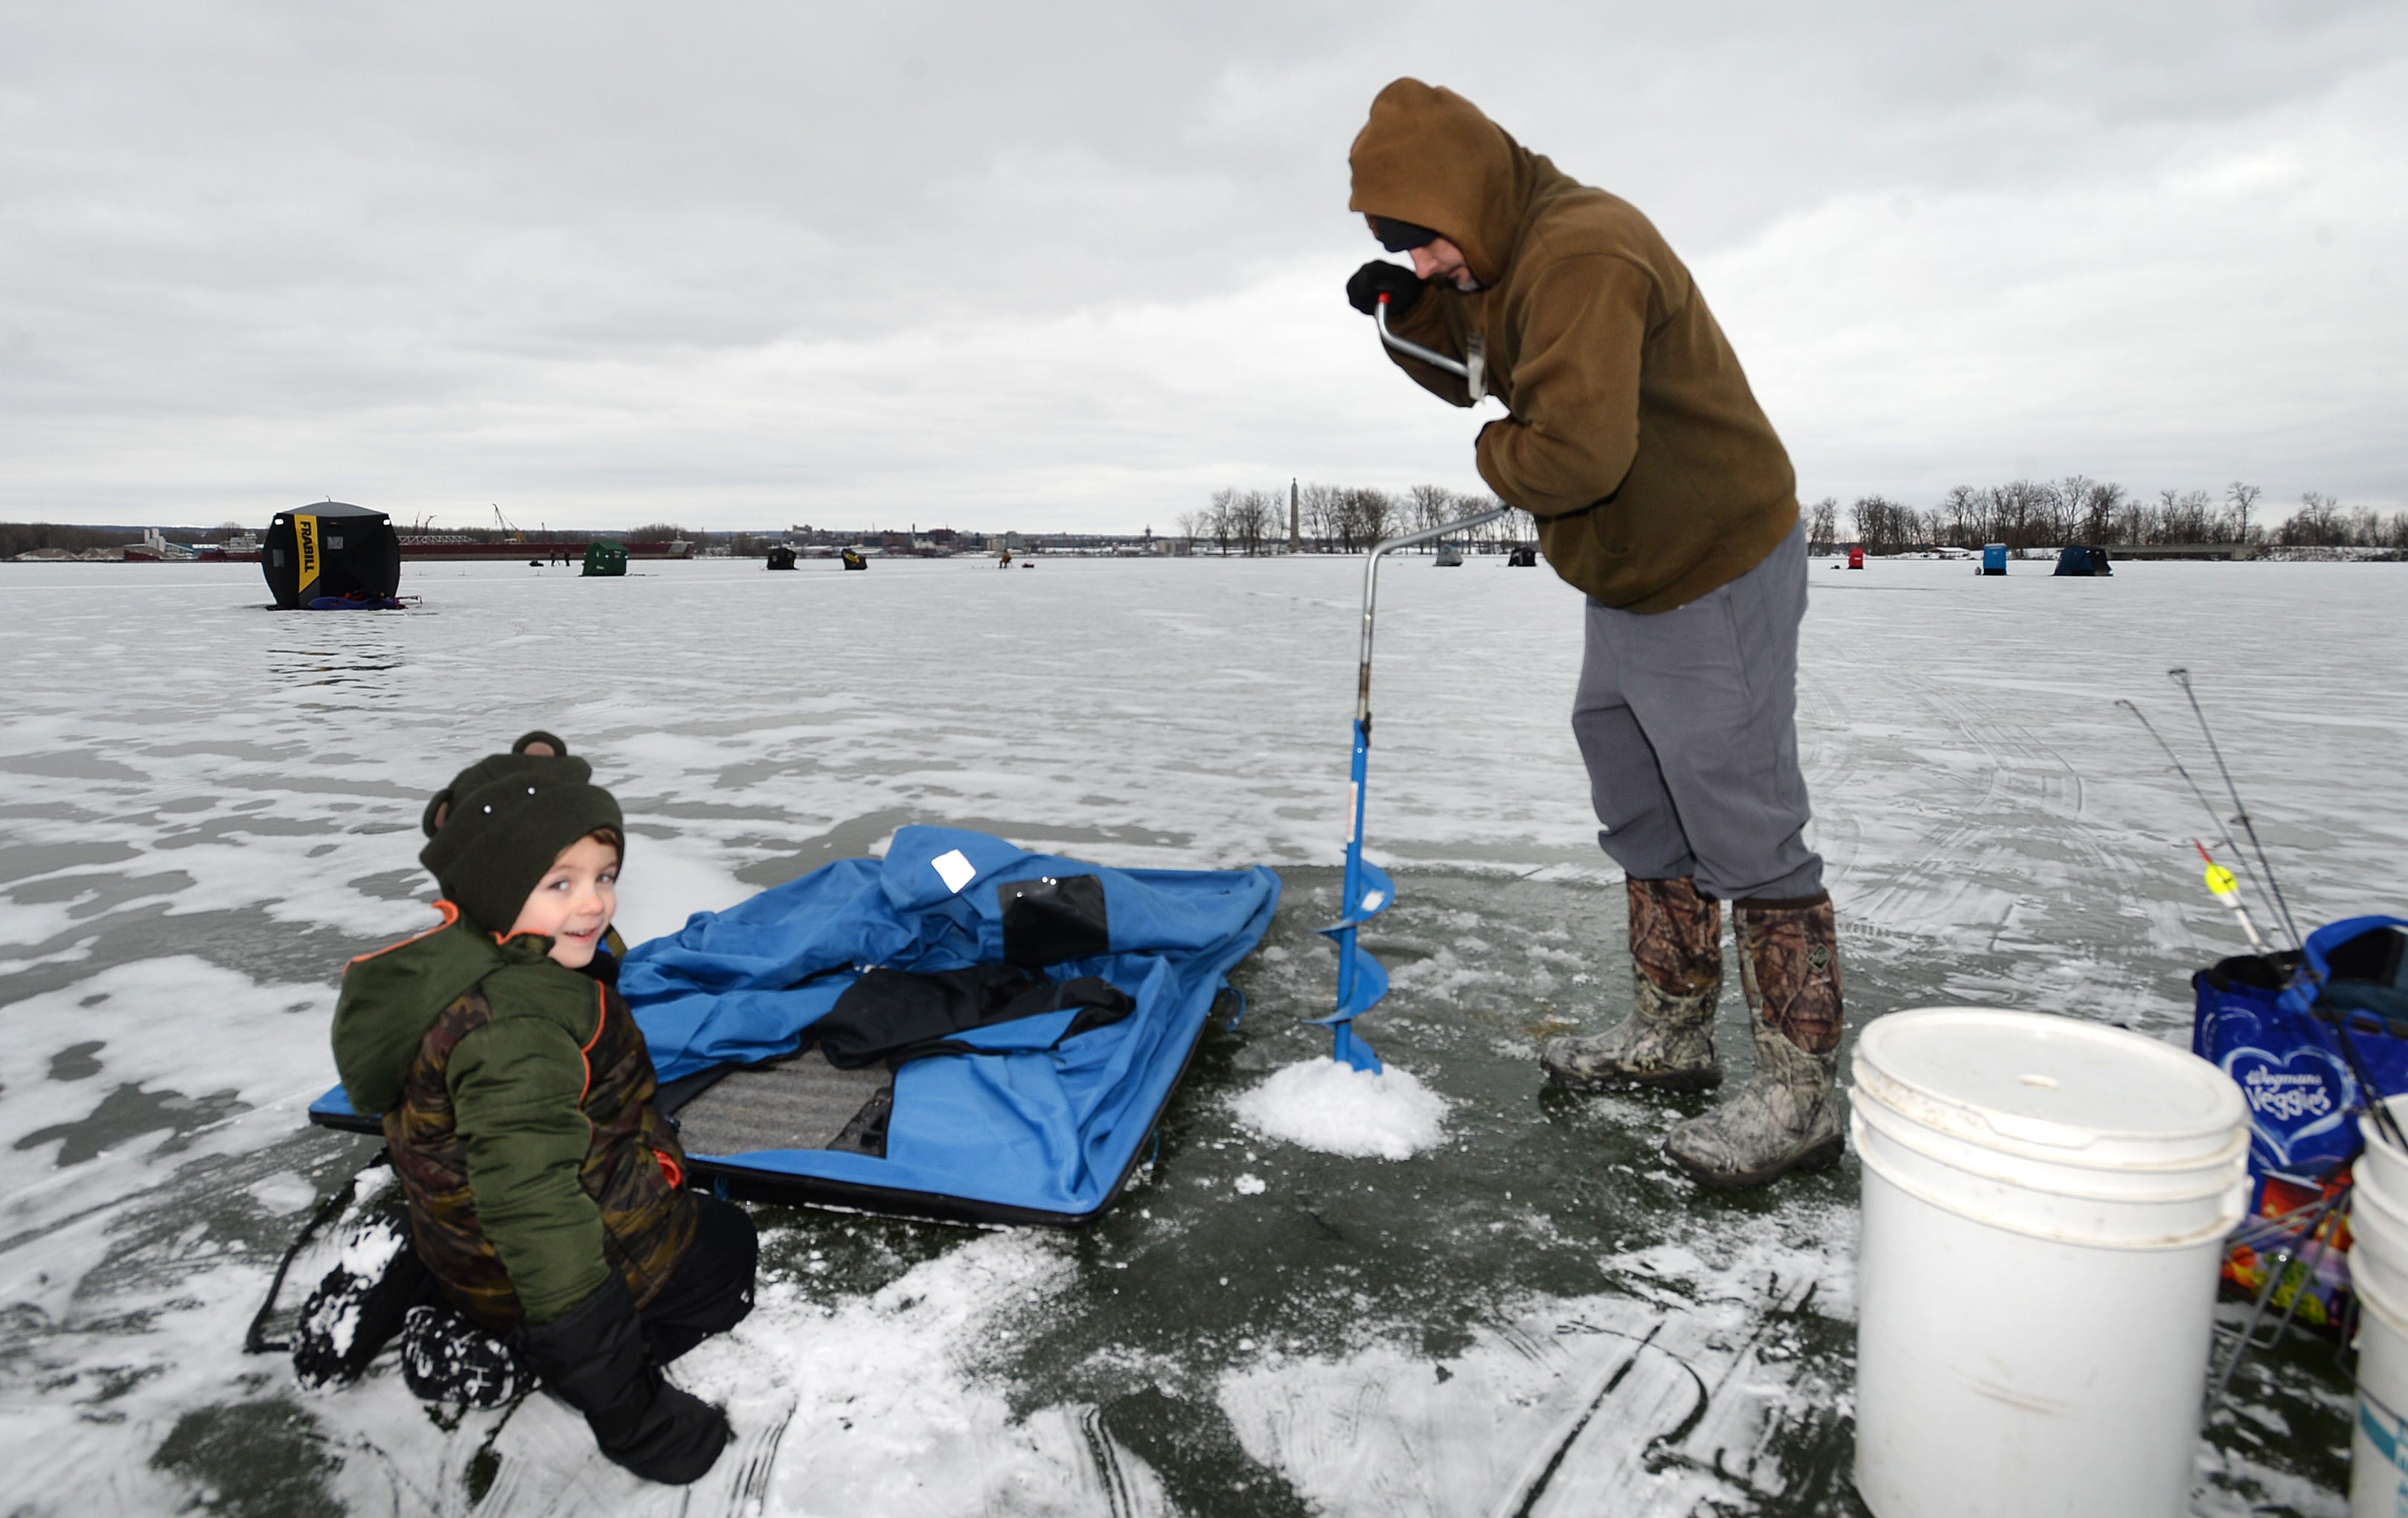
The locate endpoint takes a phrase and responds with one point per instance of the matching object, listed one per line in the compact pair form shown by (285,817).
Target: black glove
(1378,278)
(594,1357)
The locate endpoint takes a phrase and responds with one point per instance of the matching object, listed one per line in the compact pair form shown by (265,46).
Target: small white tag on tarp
(954,868)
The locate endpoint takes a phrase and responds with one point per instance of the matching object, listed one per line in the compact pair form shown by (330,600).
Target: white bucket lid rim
(2373,1134)
(2370,1196)
(2074,1086)
(2369,1296)
(2056,1174)
(2211,1231)
(2078,1150)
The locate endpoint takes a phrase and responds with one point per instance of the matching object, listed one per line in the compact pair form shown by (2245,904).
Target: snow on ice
(1339,1109)
(206,808)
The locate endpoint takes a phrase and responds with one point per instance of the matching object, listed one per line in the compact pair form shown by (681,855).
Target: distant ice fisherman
(1661,493)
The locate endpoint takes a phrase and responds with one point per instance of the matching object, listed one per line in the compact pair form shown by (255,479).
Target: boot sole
(1671,1081)
(1821,1156)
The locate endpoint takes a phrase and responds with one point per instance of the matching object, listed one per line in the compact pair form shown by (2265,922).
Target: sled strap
(254,1339)
(1240,1015)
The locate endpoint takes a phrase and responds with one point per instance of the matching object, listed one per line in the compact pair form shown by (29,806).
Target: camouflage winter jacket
(517,1099)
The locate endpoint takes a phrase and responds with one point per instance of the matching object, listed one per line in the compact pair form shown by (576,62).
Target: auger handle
(1372,591)
(1410,349)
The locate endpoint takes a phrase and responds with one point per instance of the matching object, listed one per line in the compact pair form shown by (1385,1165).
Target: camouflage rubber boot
(1788,1116)
(1676,961)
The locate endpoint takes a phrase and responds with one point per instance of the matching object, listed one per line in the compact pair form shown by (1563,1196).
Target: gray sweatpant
(1688,722)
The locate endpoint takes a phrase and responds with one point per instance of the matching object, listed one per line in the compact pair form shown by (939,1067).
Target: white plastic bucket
(2378,1443)
(2378,1274)
(2045,1202)
(2386,1165)
(2378,1227)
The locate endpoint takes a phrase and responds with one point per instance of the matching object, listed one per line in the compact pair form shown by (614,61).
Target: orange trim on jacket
(585,1050)
(451,915)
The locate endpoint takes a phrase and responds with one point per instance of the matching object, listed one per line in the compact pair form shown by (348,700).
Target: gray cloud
(1076,264)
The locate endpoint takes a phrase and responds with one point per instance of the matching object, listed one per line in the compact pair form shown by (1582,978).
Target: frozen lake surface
(206,808)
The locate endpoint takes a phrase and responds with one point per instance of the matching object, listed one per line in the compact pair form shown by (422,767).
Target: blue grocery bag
(2254,1022)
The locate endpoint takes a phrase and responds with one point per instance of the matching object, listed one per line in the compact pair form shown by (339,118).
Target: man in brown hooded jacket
(1663,495)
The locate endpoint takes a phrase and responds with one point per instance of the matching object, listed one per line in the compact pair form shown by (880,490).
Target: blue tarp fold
(1038,1126)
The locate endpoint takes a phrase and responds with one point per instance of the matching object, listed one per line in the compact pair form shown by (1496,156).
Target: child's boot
(445,1358)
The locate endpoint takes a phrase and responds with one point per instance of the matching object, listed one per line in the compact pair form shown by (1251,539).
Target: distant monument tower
(1294,542)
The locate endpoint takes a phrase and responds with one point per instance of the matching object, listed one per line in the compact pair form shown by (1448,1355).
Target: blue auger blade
(1373,899)
(1350,1049)
(1371,984)
(1362,979)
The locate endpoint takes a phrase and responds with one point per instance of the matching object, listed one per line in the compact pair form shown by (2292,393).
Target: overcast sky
(1066,266)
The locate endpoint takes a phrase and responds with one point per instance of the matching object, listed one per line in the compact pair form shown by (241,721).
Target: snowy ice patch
(1324,1105)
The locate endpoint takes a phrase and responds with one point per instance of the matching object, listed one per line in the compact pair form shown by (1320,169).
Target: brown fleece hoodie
(1634,438)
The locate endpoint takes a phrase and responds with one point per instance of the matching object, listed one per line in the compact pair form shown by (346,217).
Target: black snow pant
(711,1288)
(1687,720)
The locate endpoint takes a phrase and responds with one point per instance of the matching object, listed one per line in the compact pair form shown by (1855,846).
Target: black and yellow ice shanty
(330,549)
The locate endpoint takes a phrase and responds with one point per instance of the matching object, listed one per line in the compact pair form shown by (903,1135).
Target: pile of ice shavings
(1325,1104)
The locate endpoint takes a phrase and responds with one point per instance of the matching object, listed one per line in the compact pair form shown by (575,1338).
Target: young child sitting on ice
(546,1191)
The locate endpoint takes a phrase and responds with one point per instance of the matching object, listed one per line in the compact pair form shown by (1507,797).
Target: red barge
(464,549)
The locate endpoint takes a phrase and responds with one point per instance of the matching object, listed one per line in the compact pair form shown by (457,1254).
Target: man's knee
(1786,871)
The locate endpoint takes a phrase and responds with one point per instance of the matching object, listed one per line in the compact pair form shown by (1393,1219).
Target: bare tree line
(2035,513)
(1341,519)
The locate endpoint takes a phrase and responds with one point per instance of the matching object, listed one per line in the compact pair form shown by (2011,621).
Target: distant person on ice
(547,1195)
(1662,495)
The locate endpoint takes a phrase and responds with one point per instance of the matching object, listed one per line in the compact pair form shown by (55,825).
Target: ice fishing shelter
(2083,559)
(330,550)
(1993,558)
(799,1045)
(780,556)
(605,557)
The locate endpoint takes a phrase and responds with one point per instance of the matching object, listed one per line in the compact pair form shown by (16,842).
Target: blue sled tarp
(1042,1130)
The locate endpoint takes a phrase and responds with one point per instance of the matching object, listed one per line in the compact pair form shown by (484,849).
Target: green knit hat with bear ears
(495,830)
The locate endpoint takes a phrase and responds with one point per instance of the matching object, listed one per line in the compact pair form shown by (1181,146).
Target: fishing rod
(2221,885)
(2223,835)
(2377,1106)
(2182,677)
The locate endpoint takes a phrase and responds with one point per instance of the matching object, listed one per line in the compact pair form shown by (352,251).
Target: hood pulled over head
(1429,157)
